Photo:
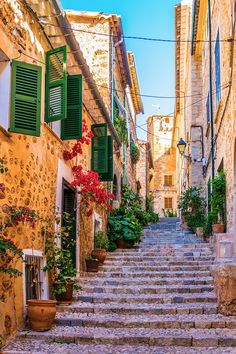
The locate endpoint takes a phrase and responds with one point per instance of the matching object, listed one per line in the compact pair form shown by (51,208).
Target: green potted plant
(92,264)
(192,207)
(101,246)
(59,261)
(218,202)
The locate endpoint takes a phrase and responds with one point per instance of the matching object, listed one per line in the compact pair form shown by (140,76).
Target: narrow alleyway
(157,298)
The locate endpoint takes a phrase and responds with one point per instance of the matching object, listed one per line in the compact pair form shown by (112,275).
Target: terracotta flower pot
(67,296)
(92,265)
(41,314)
(100,254)
(122,244)
(218,228)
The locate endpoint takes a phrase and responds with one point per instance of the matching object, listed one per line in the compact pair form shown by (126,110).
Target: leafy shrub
(169,213)
(218,201)
(101,241)
(192,207)
(123,228)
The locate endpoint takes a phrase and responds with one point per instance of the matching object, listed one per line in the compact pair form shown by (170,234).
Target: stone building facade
(38,176)
(207,131)
(101,39)
(144,172)
(163,184)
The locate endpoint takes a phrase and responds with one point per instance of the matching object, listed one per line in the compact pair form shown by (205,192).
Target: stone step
(145,281)
(141,258)
(173,298)
(151,274)
(131,269)
(142,321)
(158,263)
(132,336)
(141,309)
(146,289)
(24,346)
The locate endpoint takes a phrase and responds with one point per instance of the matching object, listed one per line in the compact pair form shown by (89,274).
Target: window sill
(53,133)
(5,132)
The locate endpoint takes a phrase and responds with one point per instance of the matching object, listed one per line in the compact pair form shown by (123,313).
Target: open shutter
(56,84)
(99,161)
(71,127)
(25,98)
(109,175)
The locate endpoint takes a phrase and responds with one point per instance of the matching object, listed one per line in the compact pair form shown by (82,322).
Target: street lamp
(181,146)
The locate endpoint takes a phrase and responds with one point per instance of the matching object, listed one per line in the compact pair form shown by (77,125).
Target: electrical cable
(227,40)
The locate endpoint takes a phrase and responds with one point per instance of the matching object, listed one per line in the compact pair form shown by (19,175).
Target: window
(168,203)
(208,109)
(168,181)
(217,69)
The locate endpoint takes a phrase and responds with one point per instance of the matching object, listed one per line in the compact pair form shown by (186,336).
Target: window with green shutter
(71,127)
(25,98)
(56,84)
(99,161)
(109,175)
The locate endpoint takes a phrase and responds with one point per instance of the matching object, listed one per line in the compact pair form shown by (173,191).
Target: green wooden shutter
(99,161)
(69,207)
(25,98)
(109,175)
(71,127)
(56,84)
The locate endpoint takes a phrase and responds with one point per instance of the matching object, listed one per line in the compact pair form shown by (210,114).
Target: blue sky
(154,61)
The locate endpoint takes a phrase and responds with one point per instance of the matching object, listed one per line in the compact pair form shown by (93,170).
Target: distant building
(163,184)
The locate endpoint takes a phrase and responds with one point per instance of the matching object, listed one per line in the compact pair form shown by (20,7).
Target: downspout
(211,94)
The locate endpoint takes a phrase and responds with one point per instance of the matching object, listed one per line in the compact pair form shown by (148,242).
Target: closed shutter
(109,175)
(25,98)
(56,84)
(71,127)
(99,161)
(69,207)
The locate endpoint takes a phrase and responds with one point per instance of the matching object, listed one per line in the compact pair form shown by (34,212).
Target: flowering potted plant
(101,245)
(59,261)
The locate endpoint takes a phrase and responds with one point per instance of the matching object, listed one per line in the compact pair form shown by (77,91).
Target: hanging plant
(8,252)
(134,152)
(121,128)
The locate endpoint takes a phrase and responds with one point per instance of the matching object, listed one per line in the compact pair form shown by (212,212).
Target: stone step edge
(185,339)
(152,324)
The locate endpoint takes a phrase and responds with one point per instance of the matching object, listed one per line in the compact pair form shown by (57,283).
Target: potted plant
(41,314)
(218,202)
(92,264)
(192,207)
(59,261)
(101,245)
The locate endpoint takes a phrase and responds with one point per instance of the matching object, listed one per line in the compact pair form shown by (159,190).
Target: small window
(168,181)
(168,203)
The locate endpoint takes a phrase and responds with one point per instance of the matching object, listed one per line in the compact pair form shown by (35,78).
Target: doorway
(69,207)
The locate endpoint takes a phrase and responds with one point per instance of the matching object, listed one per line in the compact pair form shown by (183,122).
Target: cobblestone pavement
(156,298)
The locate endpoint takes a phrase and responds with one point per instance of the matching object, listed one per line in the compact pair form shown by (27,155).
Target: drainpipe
(211,93)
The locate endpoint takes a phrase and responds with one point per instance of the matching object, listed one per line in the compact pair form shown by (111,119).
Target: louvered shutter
(99,161)
(25,98)
(69,207)
(71,127)
(56,84)
(109,175)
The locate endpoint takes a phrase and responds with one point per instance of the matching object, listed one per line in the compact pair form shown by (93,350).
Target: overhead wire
(164,40)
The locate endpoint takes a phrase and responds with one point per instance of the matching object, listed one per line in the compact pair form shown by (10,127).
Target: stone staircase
(156,298)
